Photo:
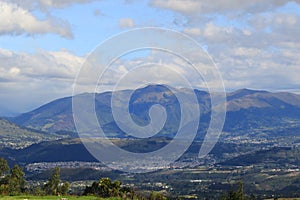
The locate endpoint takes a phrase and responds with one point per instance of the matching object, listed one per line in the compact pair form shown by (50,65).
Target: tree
(3,166)
(3,179)
(37,191)
(16,181)
(224,196)
(65,188)
(12,183)
(235,195)
(115,189)
(157,196)
(252,197)
(240,191)
(52,186)
(105,188)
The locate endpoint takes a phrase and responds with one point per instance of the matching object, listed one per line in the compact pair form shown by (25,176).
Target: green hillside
(14,136)
(278,156)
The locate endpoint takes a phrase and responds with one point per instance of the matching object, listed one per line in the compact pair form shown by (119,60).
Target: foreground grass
(286,199)
(52,198)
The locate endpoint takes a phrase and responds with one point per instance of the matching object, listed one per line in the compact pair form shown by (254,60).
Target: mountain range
(249,112)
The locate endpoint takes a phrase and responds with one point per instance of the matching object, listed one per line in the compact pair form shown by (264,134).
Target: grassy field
(286,199)
(52,198)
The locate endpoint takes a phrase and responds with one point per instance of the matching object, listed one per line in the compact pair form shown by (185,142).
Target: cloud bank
(16,21)
(17,17)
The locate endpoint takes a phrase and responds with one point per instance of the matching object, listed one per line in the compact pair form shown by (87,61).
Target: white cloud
(258,68)
(216,33)
(257,50)
(28,80)
(196,7)
(277,28)
(178,5)
(126,23)
(46,4)
(23,68)
(192,31)
(16,20)
(14,71)
(17,17)
(248,23)
(212,34)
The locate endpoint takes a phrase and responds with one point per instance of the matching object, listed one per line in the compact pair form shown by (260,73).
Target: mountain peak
(155,88)
(243,92)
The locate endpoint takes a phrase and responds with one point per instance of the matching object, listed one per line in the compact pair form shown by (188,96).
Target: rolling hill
(280,156)
(14,136)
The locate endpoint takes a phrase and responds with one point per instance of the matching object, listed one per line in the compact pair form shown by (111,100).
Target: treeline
(54,186)
(12,182)
(105,188)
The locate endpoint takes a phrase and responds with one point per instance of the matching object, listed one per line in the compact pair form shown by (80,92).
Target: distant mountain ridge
(246,109)
(246,98)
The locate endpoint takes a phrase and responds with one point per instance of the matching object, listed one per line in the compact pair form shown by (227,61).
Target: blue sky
(43,43)
(90,24)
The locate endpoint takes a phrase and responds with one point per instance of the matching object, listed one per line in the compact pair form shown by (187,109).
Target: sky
(44,43)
